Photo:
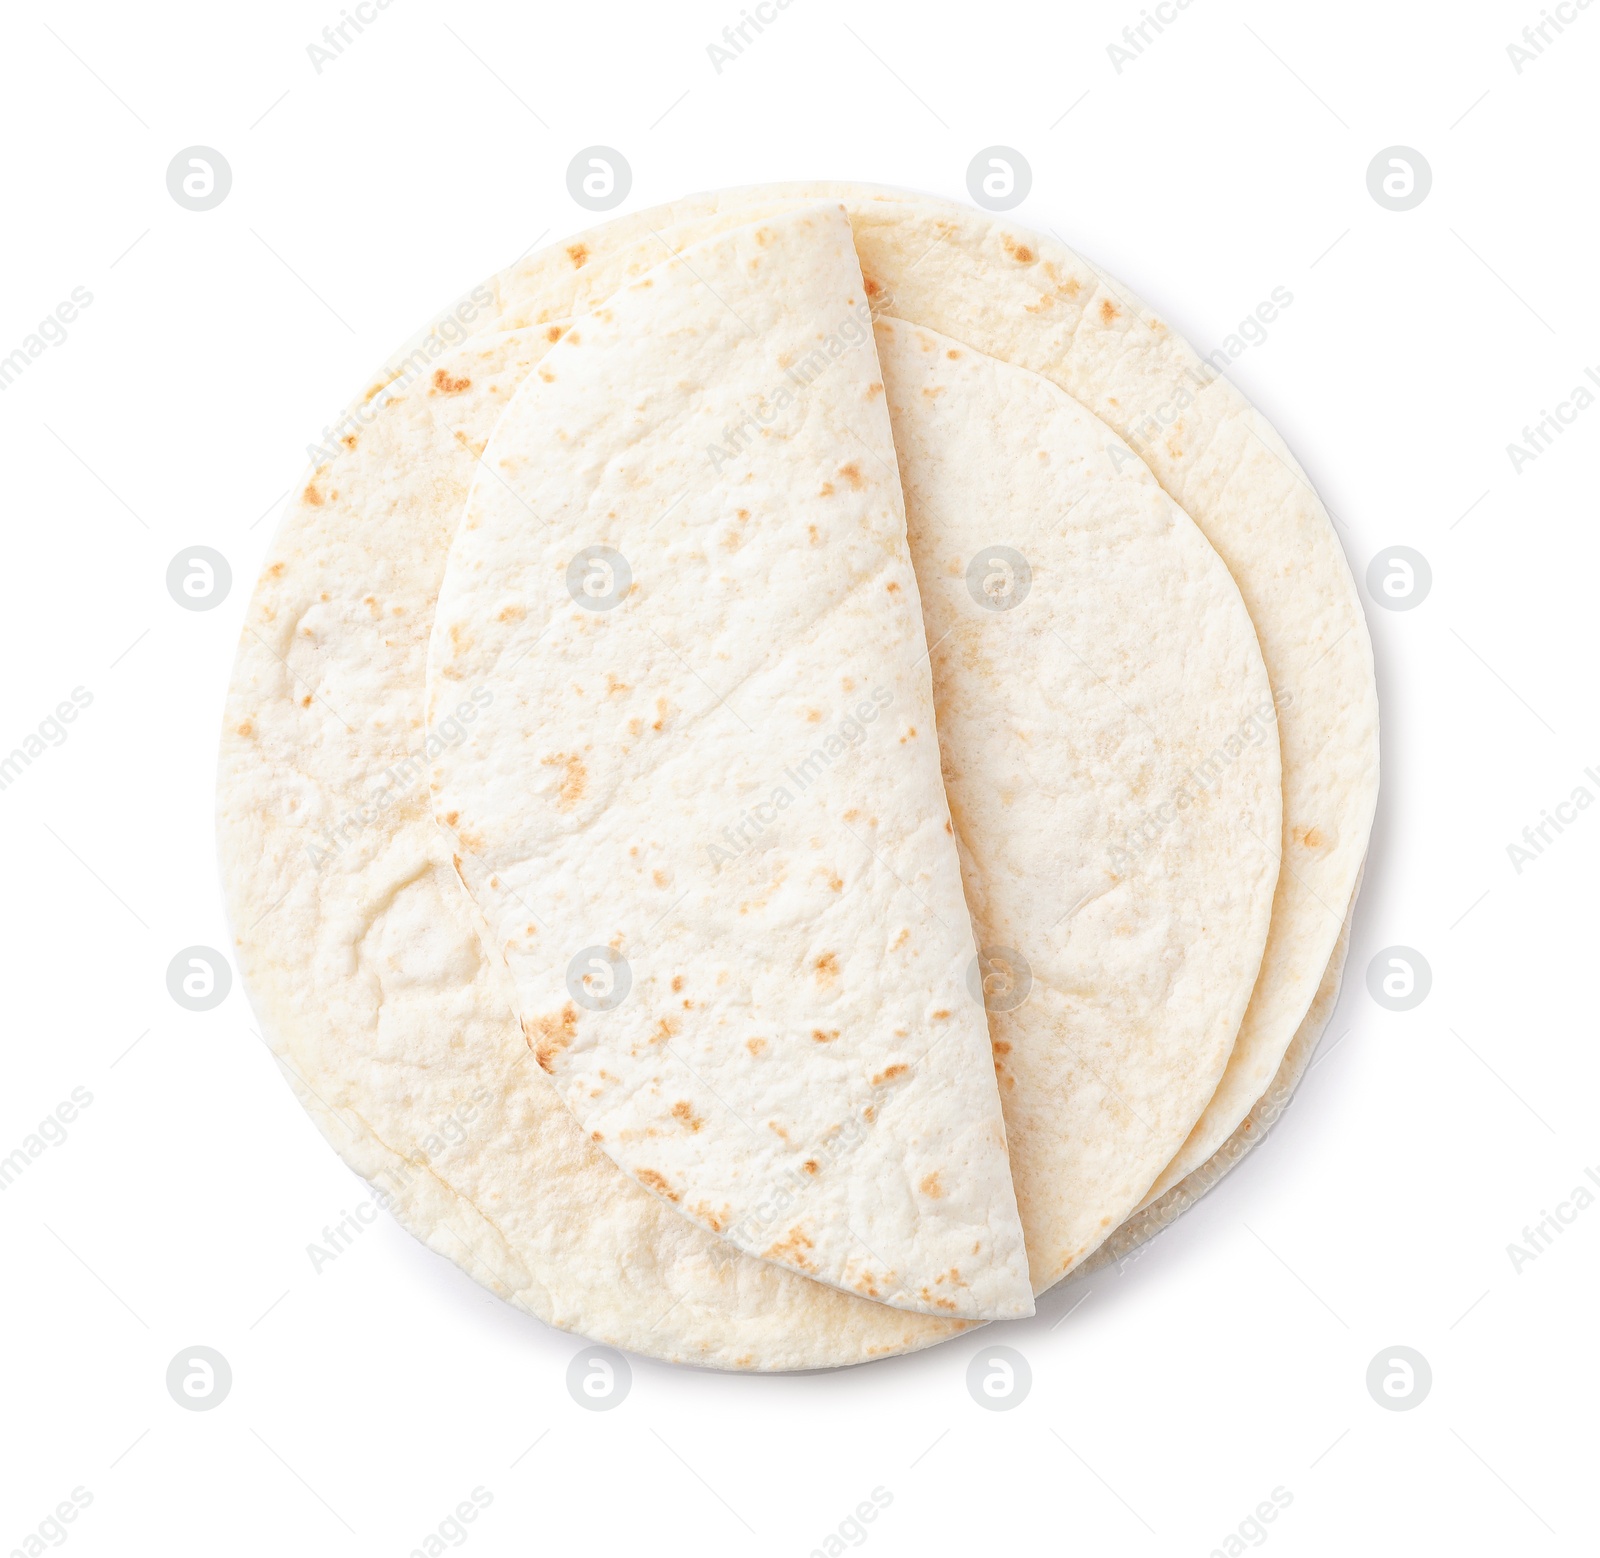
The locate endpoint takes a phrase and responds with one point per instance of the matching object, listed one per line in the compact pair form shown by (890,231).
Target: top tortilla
(785,1049)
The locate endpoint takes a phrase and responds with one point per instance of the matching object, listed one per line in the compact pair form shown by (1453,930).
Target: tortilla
(394,1028)
(700,804)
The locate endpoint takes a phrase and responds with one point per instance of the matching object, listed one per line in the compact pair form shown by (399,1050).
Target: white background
(1230,1360)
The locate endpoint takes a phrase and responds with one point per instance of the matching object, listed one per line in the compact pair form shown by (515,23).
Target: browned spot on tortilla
(1108,310)
(578,253)
(811,1166)
(574,779)
(911,730)
(1020,252)
(874,390)
(715,1221)
(952,354)
(872,285)
(904,936)
(451,818)
(547,1036)
(930,1185)
(275,570)
(941,1014)
(948,829)
(869,1114)
(824,491)
(1311,837)
(824,1036)
(890,1074)
(596,1136)
(665,1028)
(685,1115)
(312,496)
(656,1182)
(247,729)
(852,474)
(664,712)
(573,338)
(835,882)
(827,967)
(755,1046)
(677,983)
(792,1251)
(305,702)
(1001,1047)
(659,877)
(514,612)
(443,384)
(553,333)
(893,586)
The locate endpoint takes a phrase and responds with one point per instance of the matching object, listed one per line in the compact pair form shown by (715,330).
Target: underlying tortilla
(700,806)
(1032,301)
(395,1031)
(1146,1223)
(1116,694)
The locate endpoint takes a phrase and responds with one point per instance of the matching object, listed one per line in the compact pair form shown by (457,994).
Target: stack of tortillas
(795,773)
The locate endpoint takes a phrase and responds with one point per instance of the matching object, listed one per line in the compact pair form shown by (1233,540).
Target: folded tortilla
(719,774)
